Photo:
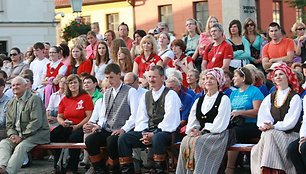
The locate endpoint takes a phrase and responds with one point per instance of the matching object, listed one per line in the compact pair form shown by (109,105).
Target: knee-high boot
(98,163)
(160,163)
(126,164)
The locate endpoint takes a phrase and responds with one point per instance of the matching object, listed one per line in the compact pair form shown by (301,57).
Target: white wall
(24,22)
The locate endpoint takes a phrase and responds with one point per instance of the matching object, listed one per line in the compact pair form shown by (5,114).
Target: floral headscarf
(218,73)
(292,79)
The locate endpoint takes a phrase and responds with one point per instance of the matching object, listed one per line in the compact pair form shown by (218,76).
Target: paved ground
(45,167)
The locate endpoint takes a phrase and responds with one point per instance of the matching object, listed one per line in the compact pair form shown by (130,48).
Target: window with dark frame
(277,11)
(200,10)
(112,21)
(165,15)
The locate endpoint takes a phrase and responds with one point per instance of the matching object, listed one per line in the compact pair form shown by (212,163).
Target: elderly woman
(277,117)
(245,102)
(74,110)
(207,134)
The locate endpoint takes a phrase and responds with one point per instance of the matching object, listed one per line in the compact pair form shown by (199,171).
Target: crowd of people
(205,90)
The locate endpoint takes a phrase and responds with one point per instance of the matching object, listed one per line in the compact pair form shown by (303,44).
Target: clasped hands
(15,139)
(146,138)
(266,126)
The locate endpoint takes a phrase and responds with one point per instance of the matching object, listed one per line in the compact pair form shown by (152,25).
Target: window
(201,12)
(112,21)
(165,15)
(277,11)
(298,14)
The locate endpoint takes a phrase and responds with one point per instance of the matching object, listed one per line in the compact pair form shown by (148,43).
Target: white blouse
(220,122)
(290,119)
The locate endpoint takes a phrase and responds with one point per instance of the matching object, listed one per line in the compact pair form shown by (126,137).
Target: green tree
(300,4)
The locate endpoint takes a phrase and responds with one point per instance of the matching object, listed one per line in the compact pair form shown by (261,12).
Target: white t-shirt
(37,67)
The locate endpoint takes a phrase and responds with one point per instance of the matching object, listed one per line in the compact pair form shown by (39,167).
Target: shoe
(26,165)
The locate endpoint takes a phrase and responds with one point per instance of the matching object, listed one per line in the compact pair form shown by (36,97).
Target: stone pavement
(45,167)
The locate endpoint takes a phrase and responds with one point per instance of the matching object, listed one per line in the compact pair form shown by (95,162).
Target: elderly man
(157,117)
(27,126)
(219,53)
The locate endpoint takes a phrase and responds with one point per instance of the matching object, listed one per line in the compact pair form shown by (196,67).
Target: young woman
(52,73)
(78,62)
(245,102)
(101,61)
(147,57)
(255,41)
(91,49)
(192,36)
(114,48)
(164,52)
(74,111)
(204,147)
(138,35)
(181,62)
(109,36)
(277,117)
(241,47)
(95,28)
(125,60)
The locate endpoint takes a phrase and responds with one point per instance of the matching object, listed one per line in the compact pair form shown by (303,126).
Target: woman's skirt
(206,153)
(271,151)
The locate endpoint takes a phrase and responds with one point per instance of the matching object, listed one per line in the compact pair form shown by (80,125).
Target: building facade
(22,23)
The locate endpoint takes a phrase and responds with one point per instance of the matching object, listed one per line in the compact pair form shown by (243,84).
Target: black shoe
(128,169)
(26,165)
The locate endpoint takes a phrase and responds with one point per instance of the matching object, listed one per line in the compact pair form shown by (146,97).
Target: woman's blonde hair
(150,39)
(246,21)
(207,27)
(197,29)
(296,25)
(114,48)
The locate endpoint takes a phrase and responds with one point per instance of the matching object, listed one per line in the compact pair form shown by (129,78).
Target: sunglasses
(13,54)
(300,29)
(250,25)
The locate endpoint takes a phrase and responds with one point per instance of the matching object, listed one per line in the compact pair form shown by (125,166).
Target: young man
(279,49)
(157,117)
(123,32)
(118,105)
(27,126)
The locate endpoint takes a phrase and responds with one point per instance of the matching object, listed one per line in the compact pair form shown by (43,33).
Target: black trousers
(298,159)
(130,140)
(99,139)
(247,132)
(66,134)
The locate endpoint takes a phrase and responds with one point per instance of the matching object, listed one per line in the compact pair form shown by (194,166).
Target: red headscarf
(292,79)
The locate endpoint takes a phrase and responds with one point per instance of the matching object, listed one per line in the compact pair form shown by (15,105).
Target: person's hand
(51,119)
(302,140)
(66,123)
(87,127)
(266,126)
(235,113)
(147,138)
(195,132)
(118,132)
(15,139)
(96,128)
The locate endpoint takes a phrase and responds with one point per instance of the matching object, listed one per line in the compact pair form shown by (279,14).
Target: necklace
(275,99)
(216,52)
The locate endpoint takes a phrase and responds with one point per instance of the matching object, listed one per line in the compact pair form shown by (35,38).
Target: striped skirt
(271,151)
(209,150)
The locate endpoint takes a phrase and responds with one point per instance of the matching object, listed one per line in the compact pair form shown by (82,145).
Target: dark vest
(155,109)
(117,109)
(278,114)
(211,114)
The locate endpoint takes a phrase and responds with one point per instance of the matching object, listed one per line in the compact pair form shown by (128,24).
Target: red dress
(144,65)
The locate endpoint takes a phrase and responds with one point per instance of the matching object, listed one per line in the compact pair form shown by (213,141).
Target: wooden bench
(241,147)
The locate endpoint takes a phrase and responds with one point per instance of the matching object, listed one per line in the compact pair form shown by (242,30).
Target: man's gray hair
(219,26)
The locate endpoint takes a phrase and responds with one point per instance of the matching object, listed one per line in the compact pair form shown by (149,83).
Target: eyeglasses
(13,54)
(52,52)
(251,24)
(300,29)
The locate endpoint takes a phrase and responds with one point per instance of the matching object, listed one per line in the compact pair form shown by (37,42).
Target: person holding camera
(74,111)
(245,102)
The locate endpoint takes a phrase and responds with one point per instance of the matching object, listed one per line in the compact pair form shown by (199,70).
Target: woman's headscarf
(219,75)
(292,79)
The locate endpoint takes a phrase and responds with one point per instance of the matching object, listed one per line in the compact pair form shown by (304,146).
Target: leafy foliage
(74,29)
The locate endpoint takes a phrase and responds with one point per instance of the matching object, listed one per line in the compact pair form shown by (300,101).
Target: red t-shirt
(278,50)
(85,67)
(74,108)
(144,65)
(216,54)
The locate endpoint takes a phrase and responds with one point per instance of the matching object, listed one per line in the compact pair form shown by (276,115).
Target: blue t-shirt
(187,102)
(244,100)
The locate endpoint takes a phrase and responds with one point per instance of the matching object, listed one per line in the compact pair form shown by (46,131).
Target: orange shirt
(272,50)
